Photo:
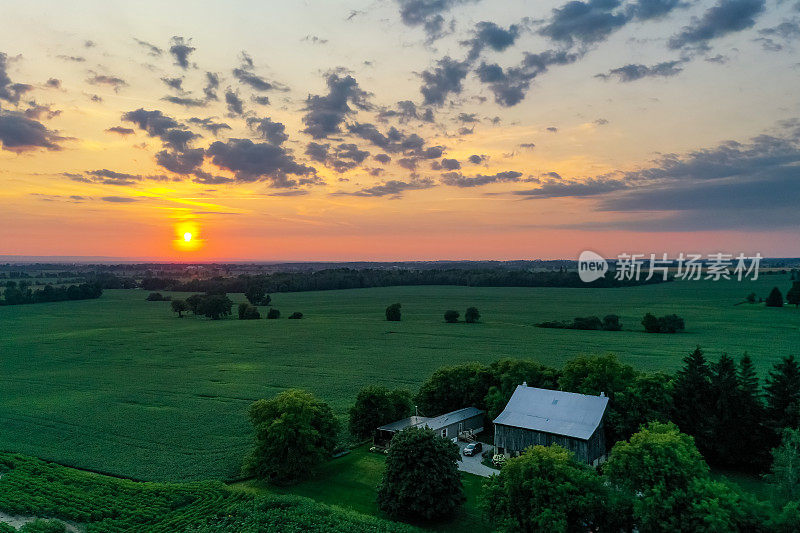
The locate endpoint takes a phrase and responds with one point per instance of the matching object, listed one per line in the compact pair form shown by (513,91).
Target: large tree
(294,432)
(726,411)
(692,398)
(545,489)
(421,479)
(376,406)
(783,395)
(785,473)
(647,399)
(216,306)
(393,313)
(775,298)
(454,387)
(753,442)
(793,296)
(180,307)
(472,315)
(507,374)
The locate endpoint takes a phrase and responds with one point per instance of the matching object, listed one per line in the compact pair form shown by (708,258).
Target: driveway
(472,464)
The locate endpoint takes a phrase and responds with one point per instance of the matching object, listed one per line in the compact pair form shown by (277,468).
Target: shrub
(650,323)
(588,322)
(472,315)
(393,313)
(157,297)
(248,312)
(670,324)
(273,314)
(775,298)
(296,316)
(451,316)
(611,323)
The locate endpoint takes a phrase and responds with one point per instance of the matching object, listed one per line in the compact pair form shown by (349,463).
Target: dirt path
(17,521)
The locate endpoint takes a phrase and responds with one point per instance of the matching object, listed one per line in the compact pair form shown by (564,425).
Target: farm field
(120,385)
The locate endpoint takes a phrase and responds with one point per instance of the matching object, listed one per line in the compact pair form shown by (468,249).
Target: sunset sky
(391,130)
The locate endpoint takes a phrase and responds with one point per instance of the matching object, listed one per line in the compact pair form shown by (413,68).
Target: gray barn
(540,416)
(468,420)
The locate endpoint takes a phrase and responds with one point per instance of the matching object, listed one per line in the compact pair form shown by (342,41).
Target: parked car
(473,448)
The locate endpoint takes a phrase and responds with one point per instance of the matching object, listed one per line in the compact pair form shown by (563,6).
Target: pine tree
(725,424)
(754,442)
(793,296)
(783,395)
(692,399)
(775,298)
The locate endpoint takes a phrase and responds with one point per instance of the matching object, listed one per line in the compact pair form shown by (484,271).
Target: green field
(120,385)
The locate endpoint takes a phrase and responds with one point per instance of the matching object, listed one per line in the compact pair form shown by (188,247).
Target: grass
(121,386)
(355,477)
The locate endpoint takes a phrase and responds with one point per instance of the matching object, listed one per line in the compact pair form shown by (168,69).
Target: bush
(393,313)
(775,298)
(472,315)
(650,323)
(248,312)
(589,322)
(499,460)
(611,323)
(296,316)
(273,314)
(451,317)
(665,324)
(157,297)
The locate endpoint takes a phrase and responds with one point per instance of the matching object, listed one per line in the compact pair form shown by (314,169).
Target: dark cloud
(633,72)
(205,178)
(155,123)
(468,118)
(152,49)
(41,111)
(273,132)
(173,83)
(294,192)
(118,199)
(652,9)
(457,179)
(186,101)
(775,38)
(251,161)
(325,113)
(445,78)
(382,158)
(510,85)
(476,159)
(74,59)
(601,121)
(21,134)
(209,124)
(317,152)
(583,22)
(396,141)
(260,100)
(114,82)
(178,156)
(489,34)
(552,129)
(450,164)
(110,177)
(527,146)
(406,110)
(555,188)
(9,91)
(53,83)
(120,130)
(313,39)
(246,76)
(408,163)
(89,44)
(180,50)
(184,161)
(212,84)
(392,188)
(429,14)
(234,103)
(727,16)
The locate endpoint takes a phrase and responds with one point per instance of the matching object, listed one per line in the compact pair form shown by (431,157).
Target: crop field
(122,386)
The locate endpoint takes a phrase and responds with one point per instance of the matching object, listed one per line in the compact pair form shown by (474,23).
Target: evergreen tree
(775,298)
(692,399)
(754,446)
(725,422)
(783,395)
(793,296)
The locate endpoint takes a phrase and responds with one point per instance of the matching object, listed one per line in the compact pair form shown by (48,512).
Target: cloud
(450,164)
(317,152)
(246,76)
(429,14)
(53,83)
(775,38)
(152,49)
(114,82)
(556,188)
(325,113)
(392,188)
(118,199)
(527,146)
(183,161)
(653,9)
(251,161)
(447,77)
(510,85)
(293,192)
(583,22)
(110,177)
(38,112)
(635,72)
(74,59)
(174,83)
(178,156)
(186,101)
(209,124)
(234,103)
(260,100)
(181,50)
(727,16)
(205,178)
(21,134)
(313,39)
(120,130)
(212,84)
(457,179)
(382,158)
(155,123)
(10,92)
(405,111)
(489,34)
(476,159)
(273,132)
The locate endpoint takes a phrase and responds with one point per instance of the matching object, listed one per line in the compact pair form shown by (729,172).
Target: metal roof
(434,423)
(551,411)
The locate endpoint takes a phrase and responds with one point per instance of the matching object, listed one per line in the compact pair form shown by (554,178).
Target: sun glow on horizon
(188,236)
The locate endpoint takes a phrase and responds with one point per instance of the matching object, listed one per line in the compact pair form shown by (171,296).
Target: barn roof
(434,423)
(556,412)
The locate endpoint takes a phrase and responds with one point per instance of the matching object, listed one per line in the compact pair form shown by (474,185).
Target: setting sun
(187,236)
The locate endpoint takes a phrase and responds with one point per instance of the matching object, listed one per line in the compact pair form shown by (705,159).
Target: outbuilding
(536,416)
(464,422)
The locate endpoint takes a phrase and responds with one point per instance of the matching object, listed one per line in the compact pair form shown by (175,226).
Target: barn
(541,416)
(463,422)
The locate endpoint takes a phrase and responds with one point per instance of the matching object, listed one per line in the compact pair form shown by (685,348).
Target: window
(460,427)
(444,433)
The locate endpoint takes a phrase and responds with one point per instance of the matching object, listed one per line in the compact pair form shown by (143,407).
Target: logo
(591,266)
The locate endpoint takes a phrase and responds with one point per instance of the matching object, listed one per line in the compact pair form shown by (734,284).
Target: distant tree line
(608,323)
(21,293)
(346,278)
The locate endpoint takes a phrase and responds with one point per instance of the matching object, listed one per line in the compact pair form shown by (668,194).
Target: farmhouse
(464,422)
(540,416)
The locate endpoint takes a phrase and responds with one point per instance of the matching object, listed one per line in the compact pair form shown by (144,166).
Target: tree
(393,313)
(421,479)
(670,324)
(647,399)
(785,473)
(152,297)
(751,298)
(294,433)
(472,315)
(545,489)
(248,312)
(507,374)
(376,406)
(783,395)
(692,398)
(180,307)
(453,387)
(296,315)
(195,302)
(216,306)
(256,294)
(752,444)
(651,324)
(273,313)
(775,298)
(611,323)
(726,411)
(793,296)
(451,317)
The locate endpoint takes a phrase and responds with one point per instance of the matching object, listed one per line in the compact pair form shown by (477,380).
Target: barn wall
(514,440)
(597,444)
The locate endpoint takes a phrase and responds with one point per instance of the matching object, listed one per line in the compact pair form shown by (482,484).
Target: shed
(544,417)
(466,421)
